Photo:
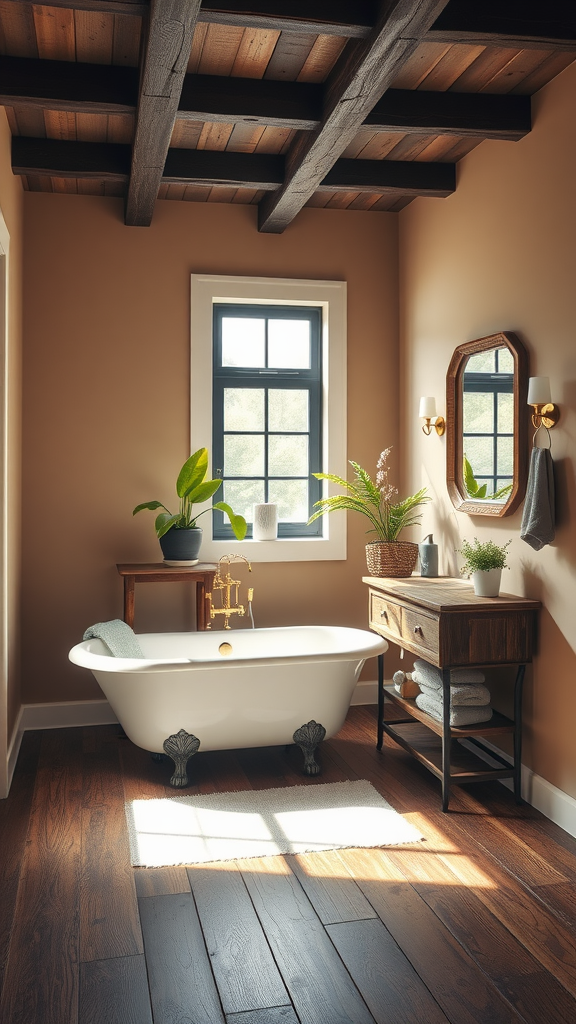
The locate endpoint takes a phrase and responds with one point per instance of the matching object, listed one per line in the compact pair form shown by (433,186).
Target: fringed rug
(262,823)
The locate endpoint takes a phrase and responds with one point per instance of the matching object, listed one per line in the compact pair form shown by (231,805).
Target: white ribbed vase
(487,582)
(265,521)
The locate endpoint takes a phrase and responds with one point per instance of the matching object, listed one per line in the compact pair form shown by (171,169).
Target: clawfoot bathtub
(246,688)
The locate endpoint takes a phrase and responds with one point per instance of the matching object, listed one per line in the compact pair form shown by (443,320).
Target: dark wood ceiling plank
(164,62)
(17,30)
(359,79)
(66,85)
(137,8)
(389,176)
(523,23)
(209,168)
(289,57)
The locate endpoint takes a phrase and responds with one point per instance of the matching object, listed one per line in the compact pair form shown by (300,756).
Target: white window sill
(286,549)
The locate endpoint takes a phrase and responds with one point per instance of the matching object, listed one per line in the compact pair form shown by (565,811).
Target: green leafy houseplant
(476,490)
(482,557)
(192,489)
(375,501)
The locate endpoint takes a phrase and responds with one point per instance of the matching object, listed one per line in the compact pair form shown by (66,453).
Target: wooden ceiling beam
(361,76)
(68,85)
(526,24)
(320,17)
(474,115)
(111,162)
(165,58)
(104,89)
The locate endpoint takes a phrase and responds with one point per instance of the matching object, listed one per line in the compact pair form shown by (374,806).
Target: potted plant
(386,555)
(484,563)
(180,537)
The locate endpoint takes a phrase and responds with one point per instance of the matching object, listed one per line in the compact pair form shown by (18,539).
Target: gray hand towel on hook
(538,525)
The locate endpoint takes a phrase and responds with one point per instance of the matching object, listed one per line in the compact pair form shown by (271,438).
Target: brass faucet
(224,583)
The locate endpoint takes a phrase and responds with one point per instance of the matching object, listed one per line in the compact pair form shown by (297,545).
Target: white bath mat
(262,823)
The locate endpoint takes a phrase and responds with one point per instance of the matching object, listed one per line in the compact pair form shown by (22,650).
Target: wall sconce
(428,413)
(545,413)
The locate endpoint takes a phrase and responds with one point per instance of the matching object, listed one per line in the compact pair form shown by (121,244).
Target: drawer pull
(418,630)
(383,614)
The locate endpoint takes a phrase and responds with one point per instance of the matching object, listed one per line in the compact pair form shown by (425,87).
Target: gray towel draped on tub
(538,525)
(118,636)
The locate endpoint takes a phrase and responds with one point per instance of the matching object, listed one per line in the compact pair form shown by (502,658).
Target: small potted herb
(180,537)
(484,563)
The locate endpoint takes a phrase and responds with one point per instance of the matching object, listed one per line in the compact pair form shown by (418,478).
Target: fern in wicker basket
(385,555)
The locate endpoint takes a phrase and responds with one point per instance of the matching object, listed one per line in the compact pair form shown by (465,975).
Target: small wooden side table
(156,572)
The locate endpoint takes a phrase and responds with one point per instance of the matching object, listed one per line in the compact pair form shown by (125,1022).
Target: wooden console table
(444,623)
(156,572)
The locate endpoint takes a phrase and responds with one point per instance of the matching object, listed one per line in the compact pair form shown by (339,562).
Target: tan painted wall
(500,254)
(106,405)
(11,206)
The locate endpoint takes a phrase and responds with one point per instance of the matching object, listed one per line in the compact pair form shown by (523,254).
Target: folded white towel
(458,716)
(470,694)
(460,676)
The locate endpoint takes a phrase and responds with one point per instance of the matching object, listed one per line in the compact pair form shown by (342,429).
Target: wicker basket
(394,558)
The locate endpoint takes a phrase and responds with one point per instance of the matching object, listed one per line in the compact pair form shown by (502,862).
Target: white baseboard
(552,802)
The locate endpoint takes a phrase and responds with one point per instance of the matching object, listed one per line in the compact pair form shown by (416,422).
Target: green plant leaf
(192,473)
(202,492)
(481,491)
(470,481)
(165,522)
(152,505)
(238,523)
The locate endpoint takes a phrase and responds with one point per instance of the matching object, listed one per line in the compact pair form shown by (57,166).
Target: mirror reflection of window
(488,424)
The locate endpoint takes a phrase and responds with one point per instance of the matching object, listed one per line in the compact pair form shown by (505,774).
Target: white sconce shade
(539,391)
(427,408)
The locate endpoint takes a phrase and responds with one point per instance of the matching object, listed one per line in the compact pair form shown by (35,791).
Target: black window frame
(494,383)
(263,378)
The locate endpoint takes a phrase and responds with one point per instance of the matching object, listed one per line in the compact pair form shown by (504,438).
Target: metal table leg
(380,739)
(446,738)
(518,733)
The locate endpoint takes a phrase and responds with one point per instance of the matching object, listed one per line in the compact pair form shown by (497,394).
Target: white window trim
(331,297)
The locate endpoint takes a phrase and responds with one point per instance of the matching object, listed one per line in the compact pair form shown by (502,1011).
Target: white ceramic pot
(487,582)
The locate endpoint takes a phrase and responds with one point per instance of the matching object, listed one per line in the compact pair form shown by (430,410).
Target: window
(268,399)
(267,412)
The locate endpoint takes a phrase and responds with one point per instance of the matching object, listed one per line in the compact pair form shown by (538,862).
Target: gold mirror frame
(454,425)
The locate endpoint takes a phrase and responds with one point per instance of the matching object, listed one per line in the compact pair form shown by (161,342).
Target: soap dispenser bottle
(428,552)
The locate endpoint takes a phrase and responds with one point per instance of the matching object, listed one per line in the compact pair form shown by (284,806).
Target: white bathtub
(271,683)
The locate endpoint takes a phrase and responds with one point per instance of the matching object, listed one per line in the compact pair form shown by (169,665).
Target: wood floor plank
(109,923)
(181,982)
(14,821)
(271,1015)
(390,985)
(160,881)
(318,983)
(333,894)
(244,968)
(465,995)
(114,991)
(41,988)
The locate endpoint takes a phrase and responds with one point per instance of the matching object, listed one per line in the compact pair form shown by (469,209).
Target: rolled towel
(458,716)
(119,637)
(425,673)
(470,694)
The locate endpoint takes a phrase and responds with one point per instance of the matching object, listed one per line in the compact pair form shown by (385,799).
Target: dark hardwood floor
(475,925)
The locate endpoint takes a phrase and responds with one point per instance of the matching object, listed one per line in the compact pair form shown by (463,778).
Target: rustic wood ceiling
(353,104)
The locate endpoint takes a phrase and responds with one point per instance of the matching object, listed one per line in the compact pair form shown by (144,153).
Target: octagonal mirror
(486,425)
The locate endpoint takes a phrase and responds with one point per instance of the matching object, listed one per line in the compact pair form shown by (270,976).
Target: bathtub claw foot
(307,737)
(180,747)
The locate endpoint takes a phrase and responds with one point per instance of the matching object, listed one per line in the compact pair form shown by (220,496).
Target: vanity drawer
(421,629)
(385,615)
